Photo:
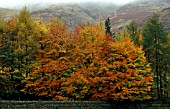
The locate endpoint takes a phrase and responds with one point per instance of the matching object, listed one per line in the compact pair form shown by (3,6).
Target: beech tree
(45,79)
(105,70)
(89,66)
(126,74)
(88,52)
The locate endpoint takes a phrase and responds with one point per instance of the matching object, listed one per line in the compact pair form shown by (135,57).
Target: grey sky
(12,3)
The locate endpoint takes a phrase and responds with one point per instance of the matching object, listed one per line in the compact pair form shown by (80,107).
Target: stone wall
(80,105)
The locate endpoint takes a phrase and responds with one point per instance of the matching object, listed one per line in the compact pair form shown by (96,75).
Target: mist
(21,3)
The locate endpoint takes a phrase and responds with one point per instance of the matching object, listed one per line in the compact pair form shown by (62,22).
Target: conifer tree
(107,27)
(9,79)
(122,34)
(134,32)
(25,35)
(26,41)
(7,83)
(154,40)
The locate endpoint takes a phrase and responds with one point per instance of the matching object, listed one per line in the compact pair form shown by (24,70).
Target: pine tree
(7,83)
(25,35)
(134,32)
(26,39)
(154,40)
(107,27)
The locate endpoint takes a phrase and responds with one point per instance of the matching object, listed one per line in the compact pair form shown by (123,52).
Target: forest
(44,60)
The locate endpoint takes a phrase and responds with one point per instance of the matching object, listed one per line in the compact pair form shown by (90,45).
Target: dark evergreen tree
(154,41)
(107,27)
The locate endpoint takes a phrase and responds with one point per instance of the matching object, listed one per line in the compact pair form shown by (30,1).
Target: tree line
(46,60)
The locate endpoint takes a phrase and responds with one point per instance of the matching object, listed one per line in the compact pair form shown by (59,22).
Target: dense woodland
(45,60)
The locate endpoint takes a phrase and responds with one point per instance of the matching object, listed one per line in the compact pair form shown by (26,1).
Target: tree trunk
(157,73)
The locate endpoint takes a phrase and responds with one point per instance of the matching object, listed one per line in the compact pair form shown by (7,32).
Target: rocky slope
(138,12)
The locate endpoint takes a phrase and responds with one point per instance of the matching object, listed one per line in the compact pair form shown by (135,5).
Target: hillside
(165,18)
(88,13)
(138,12)
(8,13)
(98,10)
(73,14)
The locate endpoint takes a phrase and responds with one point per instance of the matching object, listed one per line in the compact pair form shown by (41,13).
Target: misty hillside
(138,12)
(72,14)
(87,13)
(98,10)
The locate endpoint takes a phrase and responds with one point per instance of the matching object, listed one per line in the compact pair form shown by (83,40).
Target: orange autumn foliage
(46,77)
(88,65)
(128,75)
